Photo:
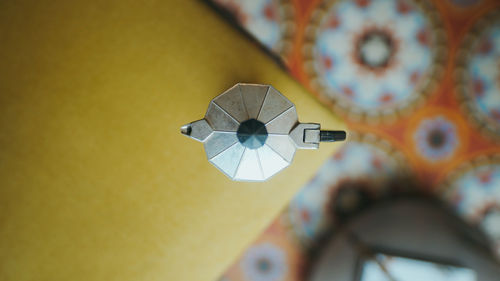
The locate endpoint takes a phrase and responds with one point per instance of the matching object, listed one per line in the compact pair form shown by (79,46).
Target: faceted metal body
(251,132)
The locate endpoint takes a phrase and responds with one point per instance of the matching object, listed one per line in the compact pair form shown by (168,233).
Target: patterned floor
(418,83)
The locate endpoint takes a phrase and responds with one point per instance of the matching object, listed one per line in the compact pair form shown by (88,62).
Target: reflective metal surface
(251,132)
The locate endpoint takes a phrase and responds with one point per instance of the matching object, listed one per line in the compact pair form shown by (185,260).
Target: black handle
(331,136)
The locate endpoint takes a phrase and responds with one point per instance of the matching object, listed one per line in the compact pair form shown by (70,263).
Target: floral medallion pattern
(479,75)
(264,262)
(375,58)
(474,192)
(436,138)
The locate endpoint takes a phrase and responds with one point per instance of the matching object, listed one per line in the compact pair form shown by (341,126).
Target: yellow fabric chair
(96,182)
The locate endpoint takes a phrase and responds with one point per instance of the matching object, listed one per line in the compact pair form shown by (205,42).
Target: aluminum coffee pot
(251,132)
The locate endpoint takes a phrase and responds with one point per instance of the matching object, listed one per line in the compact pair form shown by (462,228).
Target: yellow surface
(96,182)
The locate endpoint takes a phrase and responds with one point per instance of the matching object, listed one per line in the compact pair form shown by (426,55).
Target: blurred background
(415,192)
